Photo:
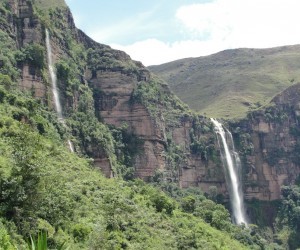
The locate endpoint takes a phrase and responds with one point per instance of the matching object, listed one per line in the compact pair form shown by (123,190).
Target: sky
(159,31)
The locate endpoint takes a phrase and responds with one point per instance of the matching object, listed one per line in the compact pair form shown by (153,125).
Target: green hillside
(44,187)
(232,82)
(47,4)
(52,198)
(47,190)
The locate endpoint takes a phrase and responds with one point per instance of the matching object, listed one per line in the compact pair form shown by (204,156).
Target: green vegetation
(40,243)
(46,4)
(8,61)
(232,82)
(104,58)
(202,139)
(288,219)
(43,187)
(160,102)
(32,54)
(51,198)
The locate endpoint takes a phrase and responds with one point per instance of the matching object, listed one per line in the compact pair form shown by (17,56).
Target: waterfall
(232,167)
(54,86)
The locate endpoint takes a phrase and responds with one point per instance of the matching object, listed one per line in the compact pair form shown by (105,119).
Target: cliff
(131,124)
(127,122)
(268,140)
(121,93)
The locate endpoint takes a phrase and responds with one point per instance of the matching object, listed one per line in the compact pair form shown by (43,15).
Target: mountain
(162,161)
(114,112)
(230,83)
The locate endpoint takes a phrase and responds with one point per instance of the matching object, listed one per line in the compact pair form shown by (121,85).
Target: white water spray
(54,86)
(232,165)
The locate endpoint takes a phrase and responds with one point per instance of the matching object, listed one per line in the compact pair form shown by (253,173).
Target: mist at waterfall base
(54,86)
(232,169)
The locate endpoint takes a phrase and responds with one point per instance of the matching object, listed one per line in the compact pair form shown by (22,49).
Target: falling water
(54,86)
(232,165)
(53,78)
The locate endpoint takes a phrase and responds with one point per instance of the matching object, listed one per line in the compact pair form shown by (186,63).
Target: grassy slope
(47,4)
(230,82)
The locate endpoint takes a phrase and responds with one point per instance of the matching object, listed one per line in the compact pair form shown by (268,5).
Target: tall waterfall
(232,167)
(54,86)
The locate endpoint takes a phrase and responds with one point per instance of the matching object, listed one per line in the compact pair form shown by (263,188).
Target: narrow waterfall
(232,167)
(54,86)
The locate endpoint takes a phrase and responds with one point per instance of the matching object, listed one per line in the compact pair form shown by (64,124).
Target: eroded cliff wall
(165,127)
(268,141)
(173,143)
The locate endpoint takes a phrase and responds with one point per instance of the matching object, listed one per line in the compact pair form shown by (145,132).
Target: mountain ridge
(238,79)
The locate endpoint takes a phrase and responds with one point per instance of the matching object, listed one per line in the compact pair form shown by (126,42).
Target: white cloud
(253,23)
(206,19)
(153,51)
(224,24)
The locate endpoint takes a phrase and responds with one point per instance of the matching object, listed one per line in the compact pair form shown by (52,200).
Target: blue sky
(159,31)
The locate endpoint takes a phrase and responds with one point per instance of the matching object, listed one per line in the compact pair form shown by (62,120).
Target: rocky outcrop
(268,141)
(25,27)
(28,25)
(115,108)
(32,80)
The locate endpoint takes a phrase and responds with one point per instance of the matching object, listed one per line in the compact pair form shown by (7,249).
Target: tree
(19,190)
(289,216)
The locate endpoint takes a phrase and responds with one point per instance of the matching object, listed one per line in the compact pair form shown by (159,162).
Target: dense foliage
(45,187)
(288,220)
(53,198)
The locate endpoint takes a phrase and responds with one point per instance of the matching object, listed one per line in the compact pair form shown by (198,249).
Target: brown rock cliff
(269,142)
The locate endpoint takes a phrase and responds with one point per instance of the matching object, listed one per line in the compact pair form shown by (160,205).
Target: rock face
(26,28)
(269,142)
(115,108)
(174,143)
(114,85)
